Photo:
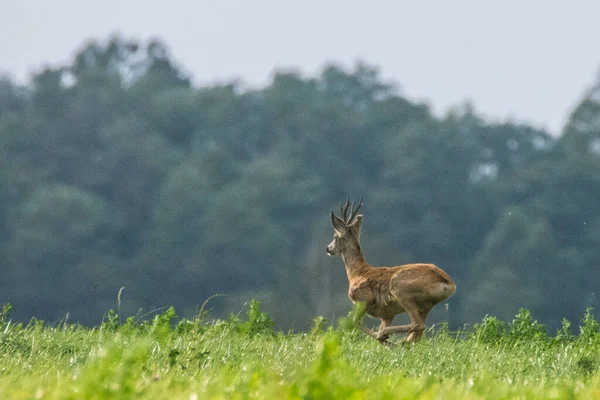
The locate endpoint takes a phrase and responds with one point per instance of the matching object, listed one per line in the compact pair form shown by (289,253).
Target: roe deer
(387,291)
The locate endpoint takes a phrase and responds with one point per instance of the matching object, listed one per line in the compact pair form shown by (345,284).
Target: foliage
(319,324)
(564,334)
(590,328)
(258,322)
(524,327)
(71,361)
(4,314)
(490,330)
(111,321)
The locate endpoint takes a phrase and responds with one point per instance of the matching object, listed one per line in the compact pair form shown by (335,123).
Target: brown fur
(388,291)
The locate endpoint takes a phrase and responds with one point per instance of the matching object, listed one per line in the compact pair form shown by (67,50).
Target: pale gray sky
(527,60)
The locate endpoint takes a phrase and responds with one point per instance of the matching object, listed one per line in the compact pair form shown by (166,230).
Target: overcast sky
(527,60)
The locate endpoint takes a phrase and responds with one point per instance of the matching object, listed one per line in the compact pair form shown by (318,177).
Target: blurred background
(186,149)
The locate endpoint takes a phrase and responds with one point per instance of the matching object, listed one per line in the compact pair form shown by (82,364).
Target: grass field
(243,358)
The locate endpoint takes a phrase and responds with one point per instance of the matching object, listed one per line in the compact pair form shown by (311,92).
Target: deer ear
(338,224)
(357,223)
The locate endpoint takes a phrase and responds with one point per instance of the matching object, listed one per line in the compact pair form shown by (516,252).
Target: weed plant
(244,358)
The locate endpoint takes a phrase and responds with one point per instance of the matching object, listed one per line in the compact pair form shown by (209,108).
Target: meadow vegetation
(243,357)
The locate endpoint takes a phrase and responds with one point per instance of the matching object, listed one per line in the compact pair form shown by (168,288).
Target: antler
(353,213)
(344,210)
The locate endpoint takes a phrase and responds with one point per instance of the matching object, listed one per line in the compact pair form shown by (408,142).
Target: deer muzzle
(328,251)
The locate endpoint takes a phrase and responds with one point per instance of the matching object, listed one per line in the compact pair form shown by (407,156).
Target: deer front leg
(367,330)
(399,328)
(361,310)
(358,317)
(383,338)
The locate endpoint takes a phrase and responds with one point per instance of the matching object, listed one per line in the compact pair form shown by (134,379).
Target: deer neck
(354,261)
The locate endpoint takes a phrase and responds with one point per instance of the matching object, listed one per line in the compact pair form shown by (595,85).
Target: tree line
(117,171)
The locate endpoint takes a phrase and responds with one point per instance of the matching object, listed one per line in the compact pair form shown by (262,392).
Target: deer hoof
(382,336)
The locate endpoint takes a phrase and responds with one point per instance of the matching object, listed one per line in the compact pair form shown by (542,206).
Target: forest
(125,186)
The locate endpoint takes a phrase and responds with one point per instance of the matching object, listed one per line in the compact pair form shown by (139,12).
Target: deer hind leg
(416,335)
(417,323)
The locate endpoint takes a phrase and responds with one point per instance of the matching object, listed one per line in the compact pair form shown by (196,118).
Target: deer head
(346,229)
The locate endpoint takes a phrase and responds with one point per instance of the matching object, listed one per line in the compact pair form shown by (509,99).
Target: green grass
(198,359)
